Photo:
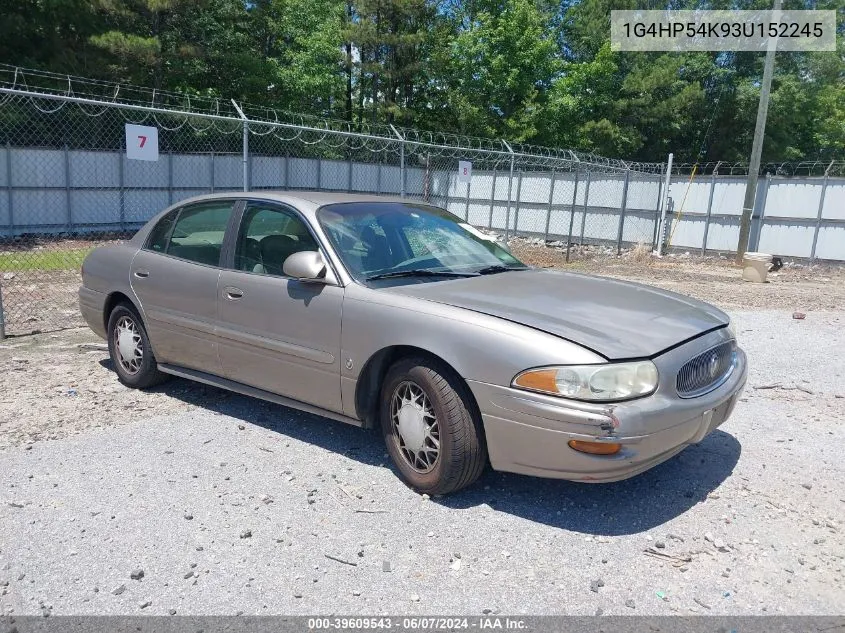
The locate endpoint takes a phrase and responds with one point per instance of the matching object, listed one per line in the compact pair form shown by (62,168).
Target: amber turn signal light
(595,448)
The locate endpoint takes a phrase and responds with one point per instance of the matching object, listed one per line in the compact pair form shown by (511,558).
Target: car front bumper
(528,433)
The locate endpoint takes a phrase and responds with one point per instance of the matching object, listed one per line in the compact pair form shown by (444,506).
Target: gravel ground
(228,504)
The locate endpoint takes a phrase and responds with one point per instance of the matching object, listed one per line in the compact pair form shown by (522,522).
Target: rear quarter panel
(104,272)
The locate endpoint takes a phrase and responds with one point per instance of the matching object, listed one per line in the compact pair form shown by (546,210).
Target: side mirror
(306,266)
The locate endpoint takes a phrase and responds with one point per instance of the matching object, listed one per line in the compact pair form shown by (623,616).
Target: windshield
(394,239)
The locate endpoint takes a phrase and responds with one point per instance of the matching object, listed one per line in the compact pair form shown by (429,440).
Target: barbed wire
(285,125)
(51,92)
(816,168)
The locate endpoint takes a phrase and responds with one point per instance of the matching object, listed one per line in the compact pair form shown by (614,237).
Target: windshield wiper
(499,268)
(421,272)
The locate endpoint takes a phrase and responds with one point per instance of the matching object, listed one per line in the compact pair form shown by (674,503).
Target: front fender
(478,347)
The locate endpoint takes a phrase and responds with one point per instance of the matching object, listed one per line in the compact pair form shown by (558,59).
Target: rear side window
(157,239)
(194,233)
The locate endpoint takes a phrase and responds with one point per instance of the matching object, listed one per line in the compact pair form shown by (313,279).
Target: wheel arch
(371,378)
(112,301)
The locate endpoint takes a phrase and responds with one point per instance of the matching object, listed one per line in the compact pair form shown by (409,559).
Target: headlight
(599,383)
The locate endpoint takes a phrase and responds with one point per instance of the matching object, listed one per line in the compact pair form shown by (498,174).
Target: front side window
(375,239)
(268,236)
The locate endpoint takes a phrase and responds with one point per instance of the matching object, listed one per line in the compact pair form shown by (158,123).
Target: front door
(175,278)
(274,332)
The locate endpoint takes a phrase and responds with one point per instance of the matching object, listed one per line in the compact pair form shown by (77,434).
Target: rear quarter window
(157,239)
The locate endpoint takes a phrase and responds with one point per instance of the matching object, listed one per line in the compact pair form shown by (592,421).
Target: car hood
(617,319)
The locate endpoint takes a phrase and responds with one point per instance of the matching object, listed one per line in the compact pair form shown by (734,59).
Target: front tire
(130,350)
(430,427)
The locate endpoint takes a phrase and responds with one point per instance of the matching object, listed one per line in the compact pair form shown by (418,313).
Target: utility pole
(757,145)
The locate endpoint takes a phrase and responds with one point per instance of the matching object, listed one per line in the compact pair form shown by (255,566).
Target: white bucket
(755,267)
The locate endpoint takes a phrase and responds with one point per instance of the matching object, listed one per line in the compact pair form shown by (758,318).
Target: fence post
(622,210)
(492,198)
(319,172)
(122,193)
(466,207)
(549,209)
(67,191)
(760,212)
(664,207)
(401,161)
(709,209)
(378,176)
(516,203)
(9,189)
(212,172)
(245,145)
(170,177)
(657,214)
(571,217)
(584,212)
(349,177)
(246,156)
(510,191)
(287,169)
(819,214)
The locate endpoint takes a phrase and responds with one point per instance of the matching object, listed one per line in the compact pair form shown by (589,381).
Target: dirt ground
(715,279)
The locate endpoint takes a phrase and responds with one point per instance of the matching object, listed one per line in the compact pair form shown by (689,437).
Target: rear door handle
(233,294)
(142,273)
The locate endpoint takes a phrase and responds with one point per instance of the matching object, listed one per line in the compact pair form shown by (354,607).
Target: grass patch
(43,259)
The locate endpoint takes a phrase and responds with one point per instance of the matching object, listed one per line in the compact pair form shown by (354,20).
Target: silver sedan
(394,314)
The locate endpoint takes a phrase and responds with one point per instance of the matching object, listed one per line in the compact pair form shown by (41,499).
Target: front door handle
(143,274)
(233,294)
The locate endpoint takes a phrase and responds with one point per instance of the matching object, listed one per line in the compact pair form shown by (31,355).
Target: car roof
(313,199)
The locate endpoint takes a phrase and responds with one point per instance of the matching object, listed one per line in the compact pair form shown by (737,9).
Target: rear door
(274,332)
(175,278)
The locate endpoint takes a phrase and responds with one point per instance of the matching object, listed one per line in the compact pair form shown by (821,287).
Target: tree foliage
(528,70)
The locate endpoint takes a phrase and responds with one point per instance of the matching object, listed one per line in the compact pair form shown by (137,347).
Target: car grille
(706,371)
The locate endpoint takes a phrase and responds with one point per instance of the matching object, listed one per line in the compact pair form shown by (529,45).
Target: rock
(297,595)
(241,427)
(190,574)
(426,497)
(708,537)
(199,548)
(799,316)
(246,534)
(146,604)
(415,597)
(630,604)
(266,499)
(137,574)
(385,566)
(807,486)
(118,590)
(172,611)
(599,611)
(189,517)
(356,592)
(660,544)
(594,585)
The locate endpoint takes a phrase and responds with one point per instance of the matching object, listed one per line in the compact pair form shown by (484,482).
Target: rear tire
(430,427)
(130,350)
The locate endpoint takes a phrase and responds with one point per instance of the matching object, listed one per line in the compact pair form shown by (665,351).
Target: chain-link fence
(68,184)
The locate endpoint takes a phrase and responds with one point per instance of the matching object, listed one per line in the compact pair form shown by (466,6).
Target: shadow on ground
(626,507)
